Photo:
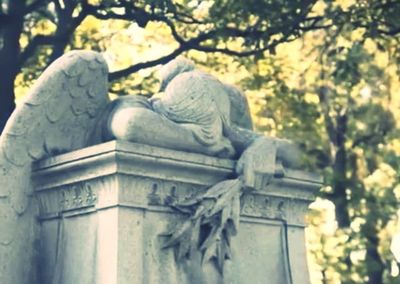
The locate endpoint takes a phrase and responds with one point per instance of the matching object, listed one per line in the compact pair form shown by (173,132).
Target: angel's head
(173,68)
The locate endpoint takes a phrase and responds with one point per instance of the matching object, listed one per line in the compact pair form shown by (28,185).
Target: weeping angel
(68,108)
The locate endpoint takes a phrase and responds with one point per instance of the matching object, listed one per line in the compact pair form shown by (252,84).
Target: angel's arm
(261,157)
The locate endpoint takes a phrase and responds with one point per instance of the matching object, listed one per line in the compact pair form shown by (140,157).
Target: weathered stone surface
(104,214)
(58,115)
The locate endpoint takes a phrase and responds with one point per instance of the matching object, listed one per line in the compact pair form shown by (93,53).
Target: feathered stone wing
(57,116)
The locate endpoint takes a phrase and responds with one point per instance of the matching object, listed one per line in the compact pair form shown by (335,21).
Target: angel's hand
(267,157)
(257,163)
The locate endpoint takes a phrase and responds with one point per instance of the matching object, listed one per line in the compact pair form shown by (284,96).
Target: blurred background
(323,73)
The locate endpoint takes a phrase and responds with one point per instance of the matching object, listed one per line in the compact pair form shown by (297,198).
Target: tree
(207,26)
(323,73)
(343,108)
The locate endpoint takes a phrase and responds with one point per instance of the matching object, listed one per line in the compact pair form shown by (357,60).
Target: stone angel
(68,108)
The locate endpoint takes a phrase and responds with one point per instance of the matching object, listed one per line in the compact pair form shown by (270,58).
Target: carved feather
(57,115)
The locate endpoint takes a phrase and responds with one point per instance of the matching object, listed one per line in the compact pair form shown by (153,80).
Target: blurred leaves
(322,73)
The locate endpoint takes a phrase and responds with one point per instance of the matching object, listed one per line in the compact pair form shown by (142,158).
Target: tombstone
(177,189)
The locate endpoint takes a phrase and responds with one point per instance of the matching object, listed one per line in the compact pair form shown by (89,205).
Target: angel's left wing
(58,115)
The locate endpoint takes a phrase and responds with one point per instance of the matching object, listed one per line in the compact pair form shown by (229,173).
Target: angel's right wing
(58,115)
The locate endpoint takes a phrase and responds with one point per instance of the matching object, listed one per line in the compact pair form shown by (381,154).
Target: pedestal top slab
(148,161)
(129,158)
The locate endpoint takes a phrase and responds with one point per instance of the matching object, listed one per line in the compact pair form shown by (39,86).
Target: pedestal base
(104,216)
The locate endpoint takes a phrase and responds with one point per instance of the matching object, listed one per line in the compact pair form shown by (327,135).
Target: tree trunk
(10,34)
(339,185)
(375,266)
(340,181)
(65,28)
(7,97)
(336,128)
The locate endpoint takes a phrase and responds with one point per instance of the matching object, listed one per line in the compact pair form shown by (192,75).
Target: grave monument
(173,189)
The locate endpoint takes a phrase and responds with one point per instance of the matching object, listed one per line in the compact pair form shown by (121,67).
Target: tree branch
(195,43)
(329,125)
(4,19)
(136,67)
(40,40)
(33,45)
(66,26)
(34,6)
(141,16)
(392,32)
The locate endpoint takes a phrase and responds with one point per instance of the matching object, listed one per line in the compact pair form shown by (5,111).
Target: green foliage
(322,73)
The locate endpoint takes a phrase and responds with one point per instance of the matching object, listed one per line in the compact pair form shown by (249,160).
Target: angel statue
(68,108)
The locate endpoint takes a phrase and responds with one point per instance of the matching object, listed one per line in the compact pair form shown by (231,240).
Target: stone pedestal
(103,214)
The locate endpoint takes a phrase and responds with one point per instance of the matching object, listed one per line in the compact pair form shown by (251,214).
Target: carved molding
(108,175)
(146,192)
(70,197)
(290,210)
